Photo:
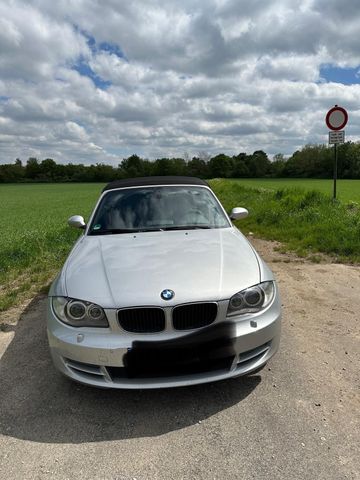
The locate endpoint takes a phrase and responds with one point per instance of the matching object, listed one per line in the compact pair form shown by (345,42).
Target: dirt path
(321,339)
(298,419)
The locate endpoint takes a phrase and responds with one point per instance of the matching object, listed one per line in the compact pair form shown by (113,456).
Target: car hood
(123,270)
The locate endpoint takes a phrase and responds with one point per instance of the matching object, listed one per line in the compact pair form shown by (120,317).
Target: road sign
(336,118)
(336,137)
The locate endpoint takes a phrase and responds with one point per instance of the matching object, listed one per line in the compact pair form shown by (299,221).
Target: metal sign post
(335,170)
(336,119)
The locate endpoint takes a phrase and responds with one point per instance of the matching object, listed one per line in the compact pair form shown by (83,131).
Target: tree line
(312,161)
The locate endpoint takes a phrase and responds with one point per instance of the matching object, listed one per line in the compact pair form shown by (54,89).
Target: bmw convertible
(162,290)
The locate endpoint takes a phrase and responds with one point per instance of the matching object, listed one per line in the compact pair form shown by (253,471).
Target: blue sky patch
(90,40)
(95,47)
(84,69)
(346,76)
(111,48)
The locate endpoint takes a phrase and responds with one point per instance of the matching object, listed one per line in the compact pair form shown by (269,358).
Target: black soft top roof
(165,180)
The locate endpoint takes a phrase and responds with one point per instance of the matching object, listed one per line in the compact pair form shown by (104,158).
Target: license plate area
(209,350)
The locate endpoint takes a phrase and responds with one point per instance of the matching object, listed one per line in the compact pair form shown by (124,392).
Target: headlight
(252,299)
(79,313)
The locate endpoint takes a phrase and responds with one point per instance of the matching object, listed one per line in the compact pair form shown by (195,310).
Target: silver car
(162,290)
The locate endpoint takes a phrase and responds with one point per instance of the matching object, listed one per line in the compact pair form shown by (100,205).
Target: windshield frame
(87,231)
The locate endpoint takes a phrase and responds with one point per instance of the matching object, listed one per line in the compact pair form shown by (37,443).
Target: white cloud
(215,76)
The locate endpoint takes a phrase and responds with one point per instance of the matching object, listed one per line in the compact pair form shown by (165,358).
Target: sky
(91,81)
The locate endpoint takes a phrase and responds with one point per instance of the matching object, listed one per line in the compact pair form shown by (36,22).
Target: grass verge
(347,190)
(304,221)
(35,238)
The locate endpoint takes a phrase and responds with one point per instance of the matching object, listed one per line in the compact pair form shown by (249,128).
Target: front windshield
(157,208)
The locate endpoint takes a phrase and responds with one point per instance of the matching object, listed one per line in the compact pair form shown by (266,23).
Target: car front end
(228,347)
(163,307)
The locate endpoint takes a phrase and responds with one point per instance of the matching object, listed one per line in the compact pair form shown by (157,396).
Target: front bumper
(97,356)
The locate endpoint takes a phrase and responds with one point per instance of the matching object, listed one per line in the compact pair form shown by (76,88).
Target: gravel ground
(297,419)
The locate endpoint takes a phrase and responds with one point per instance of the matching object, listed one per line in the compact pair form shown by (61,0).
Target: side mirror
(77,221)
(238,212)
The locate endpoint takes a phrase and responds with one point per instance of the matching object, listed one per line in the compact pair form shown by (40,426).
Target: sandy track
(298,419)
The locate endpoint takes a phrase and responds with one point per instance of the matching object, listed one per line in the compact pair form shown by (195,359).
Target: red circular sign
(336,118)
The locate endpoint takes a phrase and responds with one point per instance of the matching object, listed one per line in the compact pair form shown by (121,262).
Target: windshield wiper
(187,227)
(114,231)
(155,229)
(110,231)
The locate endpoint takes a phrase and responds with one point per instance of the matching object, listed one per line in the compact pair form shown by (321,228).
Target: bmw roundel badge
(167,294)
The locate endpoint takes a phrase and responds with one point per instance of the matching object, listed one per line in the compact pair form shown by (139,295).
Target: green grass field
(35,238)
(347,190)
